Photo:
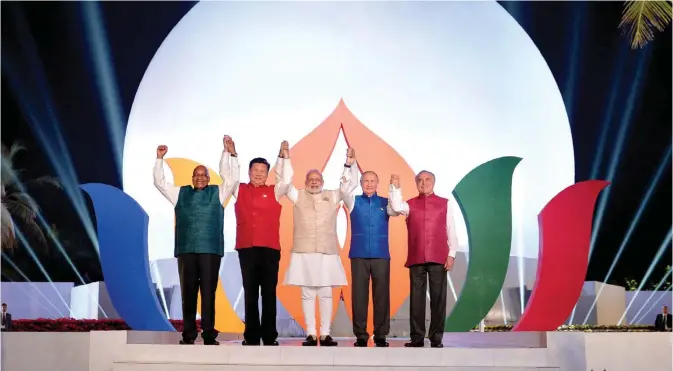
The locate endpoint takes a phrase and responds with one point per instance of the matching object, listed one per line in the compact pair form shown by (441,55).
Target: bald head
(200,177)
(314,181)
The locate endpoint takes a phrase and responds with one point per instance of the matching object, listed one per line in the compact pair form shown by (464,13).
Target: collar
(375,194)
(426,196)
(250,185)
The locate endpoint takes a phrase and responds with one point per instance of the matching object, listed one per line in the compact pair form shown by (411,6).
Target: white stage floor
(462,351)
(507,351)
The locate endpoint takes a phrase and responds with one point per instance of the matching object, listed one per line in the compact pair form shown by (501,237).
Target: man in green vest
(199,242)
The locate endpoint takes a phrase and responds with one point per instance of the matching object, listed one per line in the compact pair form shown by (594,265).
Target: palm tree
(17,205)
(640,19)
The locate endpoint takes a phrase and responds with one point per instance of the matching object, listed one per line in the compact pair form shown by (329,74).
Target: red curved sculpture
(565,236)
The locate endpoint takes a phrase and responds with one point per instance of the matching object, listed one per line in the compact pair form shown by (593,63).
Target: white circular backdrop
(449,85)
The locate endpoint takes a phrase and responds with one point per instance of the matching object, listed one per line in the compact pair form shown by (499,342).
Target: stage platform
(469,351)
(507,351)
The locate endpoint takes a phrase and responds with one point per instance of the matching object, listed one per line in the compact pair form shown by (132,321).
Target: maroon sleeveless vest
(427,233)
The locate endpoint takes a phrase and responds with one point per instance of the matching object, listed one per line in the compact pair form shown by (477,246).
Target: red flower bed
(85,325)
(78,325)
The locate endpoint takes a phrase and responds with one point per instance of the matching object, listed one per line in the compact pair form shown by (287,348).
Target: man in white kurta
(315,264)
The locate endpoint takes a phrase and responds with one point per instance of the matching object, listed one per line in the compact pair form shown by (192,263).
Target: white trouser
(308,294)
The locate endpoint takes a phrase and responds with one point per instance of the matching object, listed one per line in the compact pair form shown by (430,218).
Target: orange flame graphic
(313,152)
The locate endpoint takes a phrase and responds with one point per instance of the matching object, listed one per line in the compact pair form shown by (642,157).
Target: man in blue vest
(370,259)
(199,242)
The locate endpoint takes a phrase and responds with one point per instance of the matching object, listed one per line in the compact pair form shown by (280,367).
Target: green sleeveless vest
(199,219)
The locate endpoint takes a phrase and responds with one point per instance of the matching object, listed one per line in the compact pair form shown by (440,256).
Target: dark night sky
(135,30)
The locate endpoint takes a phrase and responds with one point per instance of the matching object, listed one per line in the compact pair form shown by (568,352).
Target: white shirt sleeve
(451,231)
(350,178)
(170,191)
(292,192)
(284,174)
(348,182)
(230,172)
(396,205)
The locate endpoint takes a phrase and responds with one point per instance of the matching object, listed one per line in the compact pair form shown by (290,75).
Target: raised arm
(349,177)
(170,191)
(451,231)
(396,205)
(284,174)
(349,180)
(230,170)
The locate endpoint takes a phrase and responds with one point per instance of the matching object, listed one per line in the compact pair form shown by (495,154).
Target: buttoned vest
(369,228)
(257,217)
(315,223)
(199,221)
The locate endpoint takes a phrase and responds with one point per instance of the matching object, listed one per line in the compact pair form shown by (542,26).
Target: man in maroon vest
(432,245)
(258,238)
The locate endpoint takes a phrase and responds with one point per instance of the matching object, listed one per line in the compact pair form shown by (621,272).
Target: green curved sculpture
(485,199)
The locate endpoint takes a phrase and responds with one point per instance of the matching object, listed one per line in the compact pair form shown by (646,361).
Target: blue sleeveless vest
(199,221)
(369,228)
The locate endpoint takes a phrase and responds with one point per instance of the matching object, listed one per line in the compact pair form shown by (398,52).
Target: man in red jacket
(432,246)
(258,238)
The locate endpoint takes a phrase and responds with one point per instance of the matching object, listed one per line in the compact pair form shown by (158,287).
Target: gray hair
(424,171)
(314,171)
(369,172)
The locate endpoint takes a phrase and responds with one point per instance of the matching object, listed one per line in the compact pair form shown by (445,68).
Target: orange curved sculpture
(313,152)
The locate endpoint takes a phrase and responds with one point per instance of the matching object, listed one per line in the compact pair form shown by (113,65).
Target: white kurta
(316,269)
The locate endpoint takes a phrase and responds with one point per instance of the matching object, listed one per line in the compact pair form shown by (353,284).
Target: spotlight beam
(650,191)
(619,144)
(657,302)
(573,59)
(656,289)
(105,77)
(657,257)
(32,254)
(609,113)
(6,258)
(43,115)
(47,228)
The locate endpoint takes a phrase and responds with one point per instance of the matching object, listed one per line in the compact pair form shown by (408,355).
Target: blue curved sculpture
(122,236)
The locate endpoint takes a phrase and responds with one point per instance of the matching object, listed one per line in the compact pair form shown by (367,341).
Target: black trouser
(198,271)
(259,270)
(379,271)
(419,275)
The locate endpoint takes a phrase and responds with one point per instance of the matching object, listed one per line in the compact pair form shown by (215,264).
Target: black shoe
(328,342)
(361,343)
(414,344)
(437,344)
(381,343)
(249,343)
(187,342)
(271,344)
(211,342)
(310,341)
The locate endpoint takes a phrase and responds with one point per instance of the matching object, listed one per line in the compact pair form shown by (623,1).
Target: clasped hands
(284,151)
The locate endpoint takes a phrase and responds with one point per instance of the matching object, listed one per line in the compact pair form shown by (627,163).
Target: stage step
(162,357)
(203,367)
